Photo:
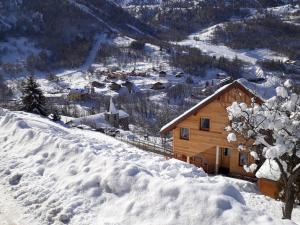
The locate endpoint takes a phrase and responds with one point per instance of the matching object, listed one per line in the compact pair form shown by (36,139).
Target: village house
(200,137)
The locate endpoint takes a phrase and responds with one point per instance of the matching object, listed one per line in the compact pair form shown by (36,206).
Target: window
(226,151)
(185,133)
(204,124)
(243,158)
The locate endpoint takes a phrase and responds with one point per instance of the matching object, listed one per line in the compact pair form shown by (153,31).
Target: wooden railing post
(217,159)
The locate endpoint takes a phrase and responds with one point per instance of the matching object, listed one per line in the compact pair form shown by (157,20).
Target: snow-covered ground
(254,199)
(156,60)
(11,212)
(202,41)
(80,78)
(283,10)
(60,175)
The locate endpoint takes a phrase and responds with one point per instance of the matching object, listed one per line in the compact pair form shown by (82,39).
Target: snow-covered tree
(55,116)
(33,99)
(271,131)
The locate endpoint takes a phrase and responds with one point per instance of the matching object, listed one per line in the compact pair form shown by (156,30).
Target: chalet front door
(225,160)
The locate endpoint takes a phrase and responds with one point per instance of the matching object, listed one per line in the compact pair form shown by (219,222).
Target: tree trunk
(289,200)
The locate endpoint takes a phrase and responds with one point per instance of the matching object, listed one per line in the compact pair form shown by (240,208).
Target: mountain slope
(255,3)
(64,30)
(42,16)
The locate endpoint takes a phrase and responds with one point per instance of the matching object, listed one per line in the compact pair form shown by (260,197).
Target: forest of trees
(184,17)
(193,61)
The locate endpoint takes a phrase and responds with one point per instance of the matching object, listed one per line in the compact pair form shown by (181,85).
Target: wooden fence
(161,149)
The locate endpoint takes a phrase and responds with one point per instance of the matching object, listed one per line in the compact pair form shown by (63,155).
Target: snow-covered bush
(55,116)
(271,131)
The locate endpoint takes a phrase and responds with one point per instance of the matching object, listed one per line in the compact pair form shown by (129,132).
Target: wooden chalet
(199,135)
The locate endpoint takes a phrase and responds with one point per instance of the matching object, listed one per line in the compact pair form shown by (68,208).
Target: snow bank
(63,175)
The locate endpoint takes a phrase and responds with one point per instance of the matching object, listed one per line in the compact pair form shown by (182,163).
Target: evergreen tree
(5,92)
(33,99)
(2,88)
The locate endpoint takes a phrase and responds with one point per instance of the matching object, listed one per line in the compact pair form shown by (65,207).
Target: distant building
(158,86)
(162,74)
(117,118)
(179,75)
(292,65)
(103,121)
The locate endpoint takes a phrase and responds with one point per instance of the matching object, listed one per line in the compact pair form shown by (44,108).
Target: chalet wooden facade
(200,138)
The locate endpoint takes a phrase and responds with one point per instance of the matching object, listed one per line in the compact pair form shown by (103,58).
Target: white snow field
(58,175)
(202,41)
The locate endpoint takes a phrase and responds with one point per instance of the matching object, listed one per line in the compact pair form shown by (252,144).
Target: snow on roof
(57,95)
(97,120)
(269,170)
(264,90)
(123,114)
(206,100)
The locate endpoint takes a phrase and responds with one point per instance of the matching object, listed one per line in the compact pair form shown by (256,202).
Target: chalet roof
(171,125)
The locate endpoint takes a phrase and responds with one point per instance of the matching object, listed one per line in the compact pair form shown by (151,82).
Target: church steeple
(112,107)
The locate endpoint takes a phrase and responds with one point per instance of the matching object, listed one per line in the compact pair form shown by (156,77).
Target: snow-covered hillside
(202,40)
(60,175)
